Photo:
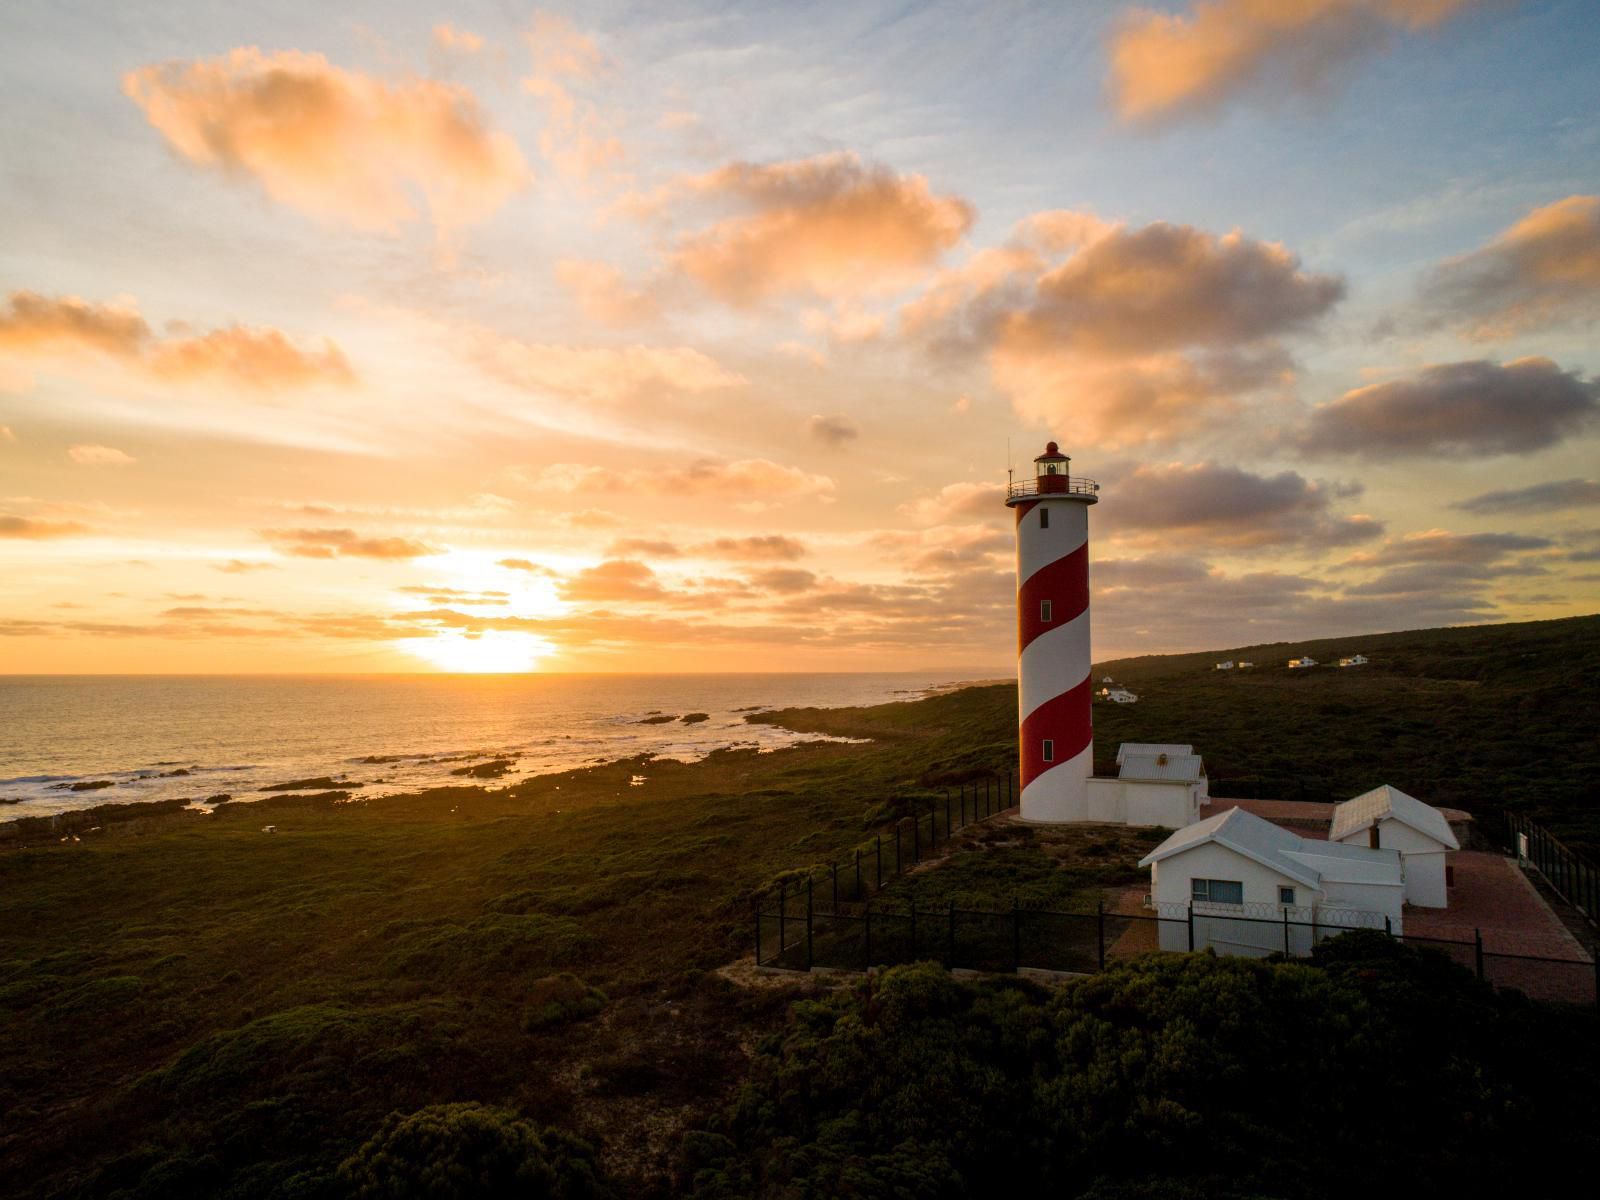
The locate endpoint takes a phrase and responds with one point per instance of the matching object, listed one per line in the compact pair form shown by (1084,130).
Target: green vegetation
(1171,1076)
(191,1007)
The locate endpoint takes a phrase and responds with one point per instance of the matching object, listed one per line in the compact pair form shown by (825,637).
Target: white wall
(1423,857)
(1142,802)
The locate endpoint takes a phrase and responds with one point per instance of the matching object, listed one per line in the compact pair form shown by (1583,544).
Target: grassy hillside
(1484,718)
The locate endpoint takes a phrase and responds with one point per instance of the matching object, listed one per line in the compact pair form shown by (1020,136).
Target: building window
(1044,518)
(1049,750)
(1044,611)
(1217,891)
(1285,895)
(1373,840)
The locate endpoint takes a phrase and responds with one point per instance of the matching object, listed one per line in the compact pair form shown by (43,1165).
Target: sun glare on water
(486,653)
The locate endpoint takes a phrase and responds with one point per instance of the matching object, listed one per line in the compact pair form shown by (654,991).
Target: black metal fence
(793,903)
(1570,875)
(806,929)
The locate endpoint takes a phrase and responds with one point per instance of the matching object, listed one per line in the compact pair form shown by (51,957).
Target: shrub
(558,999)
(471,1152)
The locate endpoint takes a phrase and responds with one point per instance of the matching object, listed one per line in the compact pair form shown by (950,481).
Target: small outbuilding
(1251,887)
(1355,660)
(1225,666)
(1299,664)
(1121,696)
(1387,818)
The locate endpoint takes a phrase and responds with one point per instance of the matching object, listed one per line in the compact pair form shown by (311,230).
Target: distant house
(1243,665)
(1247,885)
(1355,660)
(1106,679)
(1296,664)
(1387,818)
(1225,666)
(1121,696)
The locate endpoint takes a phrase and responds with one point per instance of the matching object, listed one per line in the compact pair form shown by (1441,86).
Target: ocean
(146,738)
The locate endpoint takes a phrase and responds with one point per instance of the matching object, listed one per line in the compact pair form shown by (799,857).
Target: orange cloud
(609,375)
(39,326)
(523,564)
(1129,335)
(334,143)
(753,479)
(576,140)
(447,37)
(604,294)
(28,529)
(345,543)
(1543,271)
(1165,65)
(831,225)
(757,548)
(616,579)
(98,456)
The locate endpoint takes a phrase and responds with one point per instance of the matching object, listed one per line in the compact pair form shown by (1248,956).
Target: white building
(1245,665)
(1225,666)
(1355,660)
(1251,887)
(1121,696)
(1161,785)
(1386,817)
(1296,664)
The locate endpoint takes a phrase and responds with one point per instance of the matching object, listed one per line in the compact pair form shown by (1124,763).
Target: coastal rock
(219,798)
(89,785)
(486,770)
(696,718)
(324,782)
(663,719)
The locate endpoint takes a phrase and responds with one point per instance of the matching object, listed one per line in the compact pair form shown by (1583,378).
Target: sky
(701,336)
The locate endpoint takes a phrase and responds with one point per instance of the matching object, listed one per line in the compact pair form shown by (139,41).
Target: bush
(558,999)
(471,1152)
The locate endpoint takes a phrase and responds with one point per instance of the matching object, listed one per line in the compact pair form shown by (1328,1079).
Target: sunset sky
(692,337)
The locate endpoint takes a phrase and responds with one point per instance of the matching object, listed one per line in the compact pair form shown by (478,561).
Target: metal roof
(1386,802)
(1177,767)
(1302,859)
(1150,748)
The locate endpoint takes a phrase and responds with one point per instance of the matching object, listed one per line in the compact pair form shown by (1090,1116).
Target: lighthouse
(1053,684)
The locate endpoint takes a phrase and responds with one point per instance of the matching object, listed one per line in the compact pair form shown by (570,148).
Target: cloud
(834,432)
(783,580)
(604,374)
(6,435)
(1438,562)
(752,479)
(832,225)
(334,143)
(447,37)
(613,580)
(240,566)
(1457,410)
(1541,497)
(624,547)
(1542,272)
(576,139)
(40,326)
(772,546)
(1129,335)
(523,564)
(345,543)
(1172,65)
(603,293)
(957,500)
(27,529)
(98,456)
(1227,506)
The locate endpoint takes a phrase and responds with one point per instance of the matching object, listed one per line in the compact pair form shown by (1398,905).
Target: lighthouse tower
(1053,684)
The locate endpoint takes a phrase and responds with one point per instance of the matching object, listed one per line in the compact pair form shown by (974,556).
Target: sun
(491,652)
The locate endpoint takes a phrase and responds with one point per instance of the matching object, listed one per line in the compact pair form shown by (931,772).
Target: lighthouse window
(1044,518)
(1049,750)
(1044,611)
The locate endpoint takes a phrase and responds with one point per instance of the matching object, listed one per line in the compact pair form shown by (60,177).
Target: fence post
(858,872)
(783,911)
(756,904)
(866,925)
(877,843)
(1477,951)
(1016,934)
(808,922)
(1388,926)
(1191,927)
(1286,931)
(1100,932)
(961,799)
(950,952)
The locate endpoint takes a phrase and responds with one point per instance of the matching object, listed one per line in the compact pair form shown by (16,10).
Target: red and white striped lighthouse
(1053,683)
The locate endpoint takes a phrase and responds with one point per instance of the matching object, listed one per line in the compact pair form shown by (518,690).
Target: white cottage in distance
(1386,817)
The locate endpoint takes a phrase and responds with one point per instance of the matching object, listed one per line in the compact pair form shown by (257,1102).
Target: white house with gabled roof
(1387,817)
(1252,887)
